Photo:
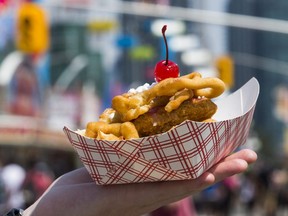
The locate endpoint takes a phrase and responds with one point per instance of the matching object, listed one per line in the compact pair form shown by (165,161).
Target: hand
(75,193)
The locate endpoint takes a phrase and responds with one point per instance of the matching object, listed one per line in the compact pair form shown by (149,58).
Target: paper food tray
(184,152)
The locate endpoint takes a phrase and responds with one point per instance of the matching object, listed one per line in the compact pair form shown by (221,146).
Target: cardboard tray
(184,152)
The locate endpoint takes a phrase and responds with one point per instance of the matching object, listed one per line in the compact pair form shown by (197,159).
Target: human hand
(75,193)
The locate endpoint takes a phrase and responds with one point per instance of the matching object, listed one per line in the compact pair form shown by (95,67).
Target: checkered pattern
(184,152)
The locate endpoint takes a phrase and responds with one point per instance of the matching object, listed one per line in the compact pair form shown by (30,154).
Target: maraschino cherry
(165,68)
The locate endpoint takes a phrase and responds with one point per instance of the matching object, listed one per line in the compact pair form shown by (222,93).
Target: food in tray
(159,108)
(154,109)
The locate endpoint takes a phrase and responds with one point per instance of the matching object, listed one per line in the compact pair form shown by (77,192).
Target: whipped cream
(142,88)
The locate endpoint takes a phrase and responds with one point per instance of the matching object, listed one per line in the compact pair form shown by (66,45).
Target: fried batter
(131,105)
(158,108)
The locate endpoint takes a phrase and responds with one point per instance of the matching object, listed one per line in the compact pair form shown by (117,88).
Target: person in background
(38,178)
(23,95)
(13,176)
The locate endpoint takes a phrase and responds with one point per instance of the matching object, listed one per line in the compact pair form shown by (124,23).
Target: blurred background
(62,61)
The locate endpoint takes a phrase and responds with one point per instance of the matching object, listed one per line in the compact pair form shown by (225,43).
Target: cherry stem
(164,28)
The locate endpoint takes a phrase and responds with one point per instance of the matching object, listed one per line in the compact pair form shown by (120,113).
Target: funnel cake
(158,109)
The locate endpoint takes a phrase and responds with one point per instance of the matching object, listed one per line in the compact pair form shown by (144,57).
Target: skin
(75,193)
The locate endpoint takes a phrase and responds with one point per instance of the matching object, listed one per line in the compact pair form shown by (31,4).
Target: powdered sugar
(142,88)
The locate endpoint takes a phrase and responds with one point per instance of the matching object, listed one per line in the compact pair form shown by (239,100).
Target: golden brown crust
(158,120)
(130,106)
(158,109)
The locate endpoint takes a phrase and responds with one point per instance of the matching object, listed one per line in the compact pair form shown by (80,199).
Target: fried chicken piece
(157,120)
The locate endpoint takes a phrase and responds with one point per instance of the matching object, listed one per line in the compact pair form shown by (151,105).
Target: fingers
(233,164)
(246,154)
(228,168)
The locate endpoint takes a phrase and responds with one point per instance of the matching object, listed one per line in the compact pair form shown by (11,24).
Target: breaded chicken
(157,120)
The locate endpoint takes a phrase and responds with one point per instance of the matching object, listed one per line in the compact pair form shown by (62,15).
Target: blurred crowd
(26,172)
(262,190)
(20,187)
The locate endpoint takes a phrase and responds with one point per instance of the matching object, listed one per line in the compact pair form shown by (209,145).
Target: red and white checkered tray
(184,152)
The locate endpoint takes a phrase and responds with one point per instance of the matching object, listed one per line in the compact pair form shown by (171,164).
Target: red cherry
(165,68)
